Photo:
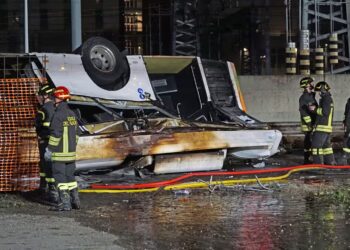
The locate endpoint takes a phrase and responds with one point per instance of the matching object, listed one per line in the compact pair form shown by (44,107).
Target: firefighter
(61,151)
(346,124)
(307,116)
(322,151)
(42,124)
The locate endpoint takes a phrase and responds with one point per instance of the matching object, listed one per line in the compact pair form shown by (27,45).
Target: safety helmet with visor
(322,86)
(306,81)
(61,93)
(46,89)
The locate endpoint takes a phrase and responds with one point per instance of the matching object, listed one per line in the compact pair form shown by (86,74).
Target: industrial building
(253,34)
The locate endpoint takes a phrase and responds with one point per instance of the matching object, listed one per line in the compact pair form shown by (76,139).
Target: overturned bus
(166,114)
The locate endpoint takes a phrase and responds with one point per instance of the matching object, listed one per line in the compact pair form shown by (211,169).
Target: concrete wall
(276,98)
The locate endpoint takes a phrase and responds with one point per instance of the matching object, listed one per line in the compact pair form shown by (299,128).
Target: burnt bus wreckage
(168,114)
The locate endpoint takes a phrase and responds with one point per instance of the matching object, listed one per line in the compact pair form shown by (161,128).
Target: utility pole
(304,31)
(76,23)
(304,42)
(26,31)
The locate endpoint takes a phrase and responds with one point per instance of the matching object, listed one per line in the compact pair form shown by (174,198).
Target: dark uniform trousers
(64,175)
(45,166)
(346,148)
(307,146)
(346,143)
(307,121)
(42,123)
(322,152)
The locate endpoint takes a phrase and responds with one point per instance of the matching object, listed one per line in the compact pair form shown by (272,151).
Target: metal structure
(185,32)
(157,16)
(326,19)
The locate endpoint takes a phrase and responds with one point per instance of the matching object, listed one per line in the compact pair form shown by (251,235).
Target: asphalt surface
(26,223)
(197,220)
(25,231)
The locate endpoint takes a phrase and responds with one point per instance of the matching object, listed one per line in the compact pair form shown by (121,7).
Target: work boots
(53,195)
(64,204)
(307,156)
(329,159)
(74,198)
(43,186)
(317,159)
(345,159)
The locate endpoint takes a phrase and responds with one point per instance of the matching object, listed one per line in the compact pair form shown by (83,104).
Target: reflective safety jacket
(346,120)
(324,113)
(43,119)
(63,134)
(307,117)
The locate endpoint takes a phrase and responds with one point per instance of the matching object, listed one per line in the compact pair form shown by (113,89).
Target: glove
(48,155)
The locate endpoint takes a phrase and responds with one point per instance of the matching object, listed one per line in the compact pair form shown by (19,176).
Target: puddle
(282,219)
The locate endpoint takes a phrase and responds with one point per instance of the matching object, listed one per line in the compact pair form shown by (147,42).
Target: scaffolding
(185,28)
(325,20)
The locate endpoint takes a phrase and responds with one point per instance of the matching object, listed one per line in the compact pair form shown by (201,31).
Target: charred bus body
(172,114)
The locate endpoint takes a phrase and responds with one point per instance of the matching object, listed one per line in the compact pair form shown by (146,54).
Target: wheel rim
(102,58)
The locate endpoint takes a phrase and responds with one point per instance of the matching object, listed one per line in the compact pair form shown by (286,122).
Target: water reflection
(223,220)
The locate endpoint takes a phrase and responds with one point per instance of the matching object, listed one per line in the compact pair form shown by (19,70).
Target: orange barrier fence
(19,155)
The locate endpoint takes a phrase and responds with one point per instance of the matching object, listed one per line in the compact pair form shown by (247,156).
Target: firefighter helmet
(322,86)
(46,89)
(305,81)
(62,93)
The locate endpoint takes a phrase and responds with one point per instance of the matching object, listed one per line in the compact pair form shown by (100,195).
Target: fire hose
(173,184)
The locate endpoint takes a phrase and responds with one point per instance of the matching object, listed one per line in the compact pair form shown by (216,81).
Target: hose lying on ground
(172,184)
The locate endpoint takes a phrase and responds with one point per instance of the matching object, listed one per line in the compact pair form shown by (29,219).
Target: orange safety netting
(19,154)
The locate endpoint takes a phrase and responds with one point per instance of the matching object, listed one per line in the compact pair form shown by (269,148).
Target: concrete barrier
(276,98)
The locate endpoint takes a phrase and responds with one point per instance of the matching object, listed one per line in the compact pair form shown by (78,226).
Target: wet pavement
(309,211)
(295,216)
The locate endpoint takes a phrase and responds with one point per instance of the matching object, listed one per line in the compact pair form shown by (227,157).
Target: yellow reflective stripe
(72,185)
(42,174)
(307,119)
(62,186)
(50,180)
(323,128)
(42,113)
(330,117)
(319,111)
(317,151)
(63,154)
(63,158)
(305,128)
(54,138)
(347,150)
(45,89)
(65,139)
(327,151)
(46,124)
(53,141)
